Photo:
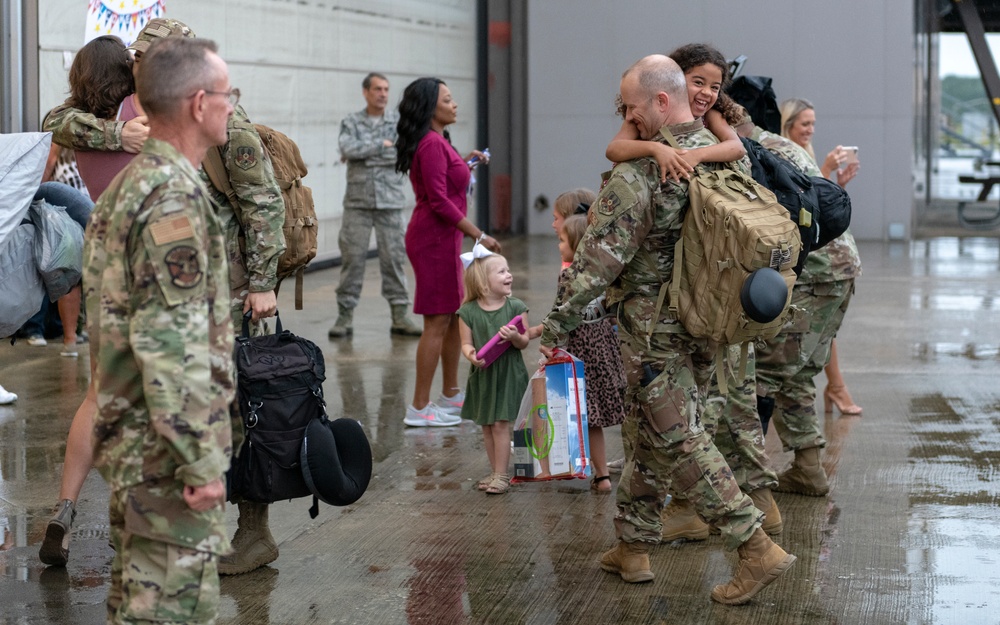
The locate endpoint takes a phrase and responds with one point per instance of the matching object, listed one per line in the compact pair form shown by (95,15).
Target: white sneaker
(430,416)
(451,405)
(616,466)
(37,341)
(6,397)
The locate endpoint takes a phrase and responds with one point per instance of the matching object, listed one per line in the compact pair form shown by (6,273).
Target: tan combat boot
(344,325)
(253,545)
(764,502)
(806,475)
(401,323)
(630,560)
(681,521)
(761,562)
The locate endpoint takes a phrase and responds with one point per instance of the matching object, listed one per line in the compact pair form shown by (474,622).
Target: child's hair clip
(581,208)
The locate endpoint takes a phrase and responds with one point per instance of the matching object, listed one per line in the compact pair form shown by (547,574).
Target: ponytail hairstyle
(790,110)
(574,228)
(416,110)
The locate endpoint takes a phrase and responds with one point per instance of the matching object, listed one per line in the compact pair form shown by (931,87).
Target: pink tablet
(496,345)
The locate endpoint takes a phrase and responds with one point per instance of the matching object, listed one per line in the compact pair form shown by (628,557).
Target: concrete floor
(909,533)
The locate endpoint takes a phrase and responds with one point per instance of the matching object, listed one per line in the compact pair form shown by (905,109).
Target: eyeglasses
(233,95)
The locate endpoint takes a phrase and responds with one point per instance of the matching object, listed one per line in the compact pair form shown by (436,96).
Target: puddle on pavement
(952,546)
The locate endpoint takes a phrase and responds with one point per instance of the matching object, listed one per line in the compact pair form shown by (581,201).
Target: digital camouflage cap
(159,28)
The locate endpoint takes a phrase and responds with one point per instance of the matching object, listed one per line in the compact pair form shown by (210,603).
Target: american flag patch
(171,229)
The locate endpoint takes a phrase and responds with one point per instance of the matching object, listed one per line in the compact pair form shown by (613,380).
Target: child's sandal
(595,484)
(484,483)
(499,485)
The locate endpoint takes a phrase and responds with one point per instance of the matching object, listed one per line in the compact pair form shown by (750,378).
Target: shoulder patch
(609,202)
(182,263)
(246,157)
(171,229)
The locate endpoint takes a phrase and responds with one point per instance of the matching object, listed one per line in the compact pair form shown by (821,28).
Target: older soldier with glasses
(158,310)
(254,242)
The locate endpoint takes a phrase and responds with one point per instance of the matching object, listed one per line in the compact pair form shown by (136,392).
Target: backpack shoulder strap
(217,174)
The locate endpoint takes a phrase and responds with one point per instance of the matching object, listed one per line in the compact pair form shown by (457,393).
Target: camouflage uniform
(788,365)
(156,289)
(374,199)
(735,425)
(628,252)
(261,214)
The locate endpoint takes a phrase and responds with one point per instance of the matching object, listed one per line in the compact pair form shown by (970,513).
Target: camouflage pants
(158,582)
(672,452)
(788,366)
(732,420)
(355,232)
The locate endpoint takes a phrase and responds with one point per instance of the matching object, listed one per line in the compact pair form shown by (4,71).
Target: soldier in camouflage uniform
(627,252)
(254,242)
(161,336)
(374,199)
(788,365)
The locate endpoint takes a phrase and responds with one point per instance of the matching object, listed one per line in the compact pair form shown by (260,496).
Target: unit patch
(246,157)
(182,263)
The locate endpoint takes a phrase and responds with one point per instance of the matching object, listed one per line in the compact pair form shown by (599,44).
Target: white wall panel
(300,65)
(853,59)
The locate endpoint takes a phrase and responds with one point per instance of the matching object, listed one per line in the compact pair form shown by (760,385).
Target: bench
(980,223)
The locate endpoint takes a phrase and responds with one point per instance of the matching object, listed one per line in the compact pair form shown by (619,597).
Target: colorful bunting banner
(121,18)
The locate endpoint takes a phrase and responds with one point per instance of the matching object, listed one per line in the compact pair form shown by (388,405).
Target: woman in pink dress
(440,179)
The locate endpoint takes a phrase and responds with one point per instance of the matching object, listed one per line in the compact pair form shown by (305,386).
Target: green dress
(494,393)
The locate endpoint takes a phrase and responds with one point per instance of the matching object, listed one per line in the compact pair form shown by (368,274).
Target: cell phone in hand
(851,152)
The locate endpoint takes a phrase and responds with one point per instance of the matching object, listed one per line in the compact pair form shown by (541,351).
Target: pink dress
(440,180)
(97,168)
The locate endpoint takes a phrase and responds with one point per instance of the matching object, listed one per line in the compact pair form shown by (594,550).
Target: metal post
(973,25)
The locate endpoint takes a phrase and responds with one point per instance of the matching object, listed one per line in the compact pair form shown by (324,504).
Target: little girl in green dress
(493,393)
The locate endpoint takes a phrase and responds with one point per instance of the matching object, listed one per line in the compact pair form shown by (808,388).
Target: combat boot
(761,562)
(343,326)
(763,501)
(681,521)
(401,323)
(253,545)
(806,475)
(630,560)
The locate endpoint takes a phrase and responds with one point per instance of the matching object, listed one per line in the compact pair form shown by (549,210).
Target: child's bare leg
(599,457)
(490,446)
(501,447)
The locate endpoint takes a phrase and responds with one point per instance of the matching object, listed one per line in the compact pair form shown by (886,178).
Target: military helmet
(159,28)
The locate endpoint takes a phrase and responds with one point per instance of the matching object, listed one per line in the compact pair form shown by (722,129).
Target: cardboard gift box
(550,434)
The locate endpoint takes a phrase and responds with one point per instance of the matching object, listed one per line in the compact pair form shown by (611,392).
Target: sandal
(594,484)
(484,483)
(499,485)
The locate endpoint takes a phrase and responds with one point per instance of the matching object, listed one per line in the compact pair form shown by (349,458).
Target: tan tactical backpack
(301,225)
(732,227)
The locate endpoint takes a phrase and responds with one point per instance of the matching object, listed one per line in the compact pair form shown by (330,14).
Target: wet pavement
(909,534)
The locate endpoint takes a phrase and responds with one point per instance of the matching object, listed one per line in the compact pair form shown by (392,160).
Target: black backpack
(280,394)
(758,98)
(793,189)
(820,207)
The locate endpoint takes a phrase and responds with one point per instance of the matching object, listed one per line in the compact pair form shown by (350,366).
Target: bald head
(654,94)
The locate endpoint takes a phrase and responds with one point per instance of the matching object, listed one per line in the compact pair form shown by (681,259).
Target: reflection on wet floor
(907,535)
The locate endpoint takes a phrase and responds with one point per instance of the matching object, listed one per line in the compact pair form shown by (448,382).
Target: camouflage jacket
(837,260)
(372,180)
(254,236)
(156,290)
(261,215)
(633,213)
